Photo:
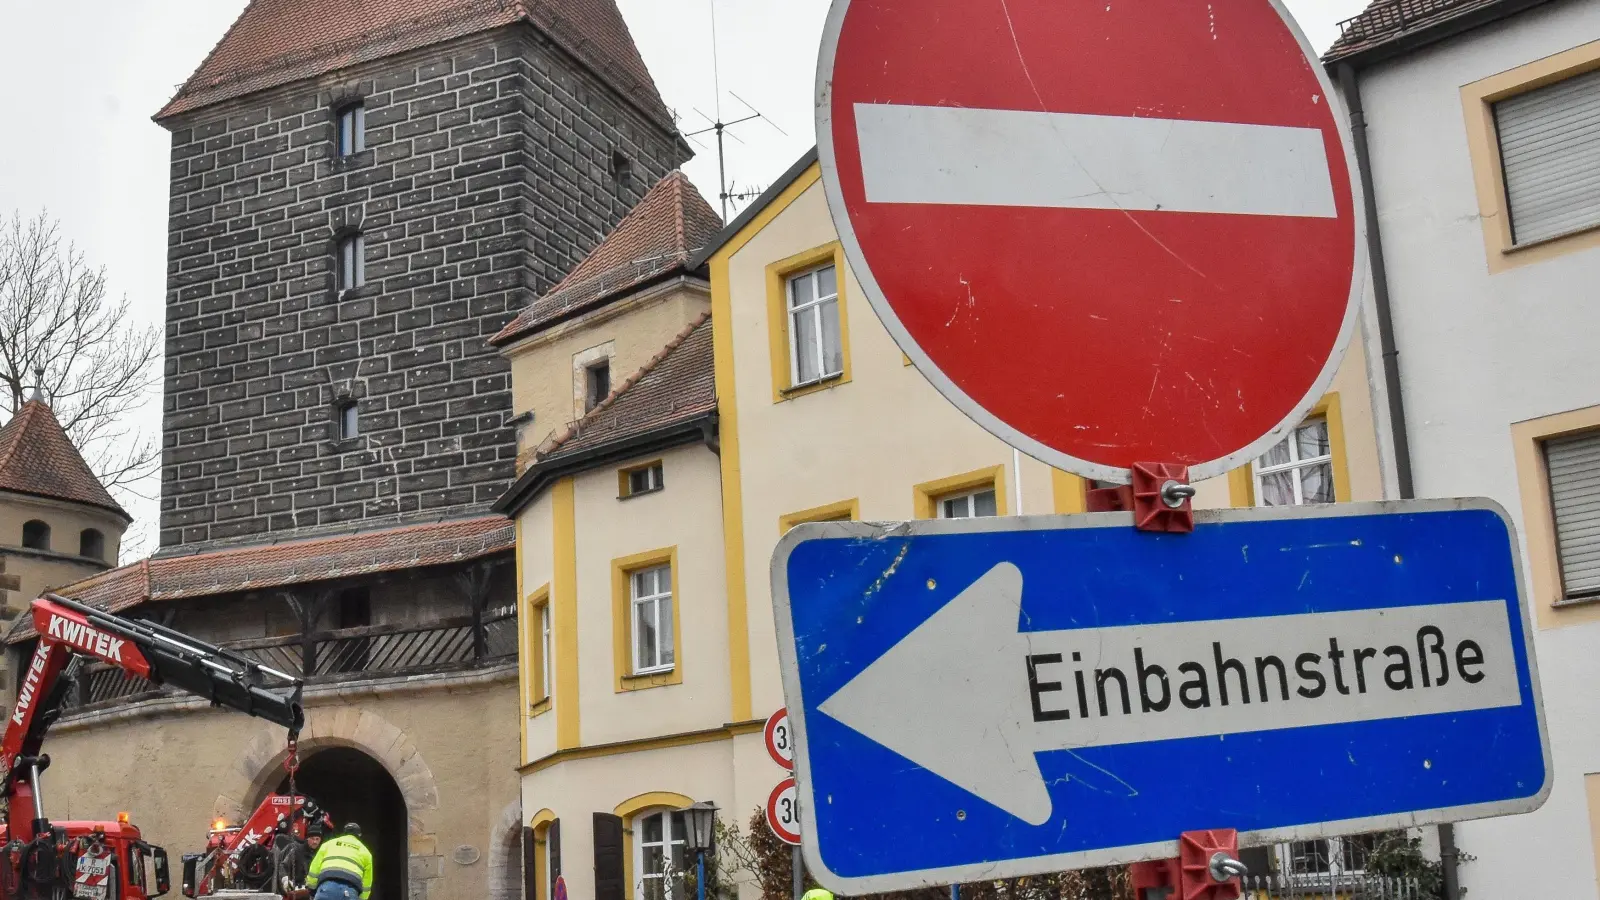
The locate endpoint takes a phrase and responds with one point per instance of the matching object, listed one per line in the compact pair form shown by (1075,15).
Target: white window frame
(1296,463)
(811,312)
(351,130)
(350,262)
(660,602)
(546,633)
(971,502)
(667,842)
(654,479)
(1336,867)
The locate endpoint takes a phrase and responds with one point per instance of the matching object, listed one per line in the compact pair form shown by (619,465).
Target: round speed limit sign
(780,740)
(783,812)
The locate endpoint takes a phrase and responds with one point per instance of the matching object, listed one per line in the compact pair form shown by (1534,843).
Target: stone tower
(361,194)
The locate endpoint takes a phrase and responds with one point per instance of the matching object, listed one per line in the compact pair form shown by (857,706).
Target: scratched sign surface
(1149,204)
(997,697)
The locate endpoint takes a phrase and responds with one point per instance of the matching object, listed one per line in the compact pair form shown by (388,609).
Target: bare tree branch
(98,364)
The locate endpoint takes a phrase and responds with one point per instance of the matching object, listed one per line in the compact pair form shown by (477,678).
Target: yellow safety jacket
(343,859)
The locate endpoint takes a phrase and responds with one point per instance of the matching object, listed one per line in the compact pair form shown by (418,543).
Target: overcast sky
(84,78)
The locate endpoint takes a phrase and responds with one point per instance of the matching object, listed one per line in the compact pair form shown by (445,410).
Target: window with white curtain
(652,619)
(1298,469)
(660,856)
(816,350)
(968,504)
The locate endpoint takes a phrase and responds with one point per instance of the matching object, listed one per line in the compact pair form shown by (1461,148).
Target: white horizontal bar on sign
(999,157)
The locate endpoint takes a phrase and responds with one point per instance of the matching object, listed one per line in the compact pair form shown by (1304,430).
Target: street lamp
(701,819)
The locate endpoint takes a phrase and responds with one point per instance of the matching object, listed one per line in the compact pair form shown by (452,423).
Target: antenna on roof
(720,127)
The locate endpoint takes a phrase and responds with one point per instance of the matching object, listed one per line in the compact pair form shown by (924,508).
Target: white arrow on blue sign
(990,698)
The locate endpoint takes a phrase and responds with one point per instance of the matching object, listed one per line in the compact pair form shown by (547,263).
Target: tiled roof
(1386,20)
(276,42)
(657,237)
(37,457)
(291,562)
(676,385)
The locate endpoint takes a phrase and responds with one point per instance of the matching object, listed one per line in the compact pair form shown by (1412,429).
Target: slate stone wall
(492,165)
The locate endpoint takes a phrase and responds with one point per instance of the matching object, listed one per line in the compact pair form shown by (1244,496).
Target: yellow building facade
(663,519)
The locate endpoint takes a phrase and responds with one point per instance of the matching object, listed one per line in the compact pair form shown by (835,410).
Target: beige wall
(39,570)
(542,367)
(449,749)
(686,515)
(886,429)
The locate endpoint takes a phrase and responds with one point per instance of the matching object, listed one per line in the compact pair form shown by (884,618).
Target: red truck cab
(110,860)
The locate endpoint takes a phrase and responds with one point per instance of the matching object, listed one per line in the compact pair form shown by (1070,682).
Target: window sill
(811,387)
(359,159)
(651,679)
(539,708)
(336,447)
(654,490)
(1514,249)
(1584,600)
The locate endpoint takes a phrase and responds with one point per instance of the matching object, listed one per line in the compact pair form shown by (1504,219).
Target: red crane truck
(107,860)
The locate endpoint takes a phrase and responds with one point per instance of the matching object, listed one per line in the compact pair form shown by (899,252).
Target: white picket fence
(1331,887)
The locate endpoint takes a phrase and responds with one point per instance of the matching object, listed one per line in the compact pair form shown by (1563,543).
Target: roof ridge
(573,428)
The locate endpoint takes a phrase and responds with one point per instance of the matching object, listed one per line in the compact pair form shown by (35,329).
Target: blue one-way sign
(986,698)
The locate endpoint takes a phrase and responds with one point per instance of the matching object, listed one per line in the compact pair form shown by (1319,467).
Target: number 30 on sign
(783,812)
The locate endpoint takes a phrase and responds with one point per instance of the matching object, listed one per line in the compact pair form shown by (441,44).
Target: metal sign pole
(799,871)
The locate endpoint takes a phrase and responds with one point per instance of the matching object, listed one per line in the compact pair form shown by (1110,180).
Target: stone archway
(505,854)
(258,770)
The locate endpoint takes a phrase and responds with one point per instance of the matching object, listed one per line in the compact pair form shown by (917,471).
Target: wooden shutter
(552,840)
(1574,466)
(530,865)
(609,881)
(1550,152)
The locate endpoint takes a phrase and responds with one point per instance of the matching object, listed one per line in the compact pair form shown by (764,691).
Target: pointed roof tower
(37,458)
(276,42)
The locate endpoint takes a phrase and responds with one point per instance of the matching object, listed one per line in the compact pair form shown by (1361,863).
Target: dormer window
(351,263)
(352,130)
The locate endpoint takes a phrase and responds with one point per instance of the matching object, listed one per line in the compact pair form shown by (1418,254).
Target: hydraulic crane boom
(69,629)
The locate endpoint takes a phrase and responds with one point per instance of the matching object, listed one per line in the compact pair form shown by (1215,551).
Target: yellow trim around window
(1069,492)
(564,624)
(630,809)
(925,496)
(540,825)
(623,474)
(842,511)
(1539,520)
(778,275)
(1242,481)
(622,570)
(1488,174)
(739,675)
(538,692)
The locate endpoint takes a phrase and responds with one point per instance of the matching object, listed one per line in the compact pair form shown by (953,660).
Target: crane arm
(69,630)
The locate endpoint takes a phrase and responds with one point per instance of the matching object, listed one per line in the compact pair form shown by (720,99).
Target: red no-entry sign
(1109,231)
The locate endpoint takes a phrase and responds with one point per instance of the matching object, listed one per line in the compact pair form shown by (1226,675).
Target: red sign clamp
(1207,868)
(1160,498)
